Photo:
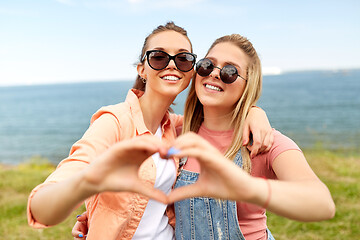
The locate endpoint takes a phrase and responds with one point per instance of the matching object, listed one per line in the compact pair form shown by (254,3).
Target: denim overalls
(206,218)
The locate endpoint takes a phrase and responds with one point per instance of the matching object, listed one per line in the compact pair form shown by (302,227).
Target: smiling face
(214,93)
(169,81)
(221,106)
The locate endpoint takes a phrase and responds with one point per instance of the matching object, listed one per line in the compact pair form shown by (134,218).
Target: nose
(171,64)
(215,73)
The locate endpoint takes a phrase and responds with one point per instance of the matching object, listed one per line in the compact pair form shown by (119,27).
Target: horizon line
(272,72)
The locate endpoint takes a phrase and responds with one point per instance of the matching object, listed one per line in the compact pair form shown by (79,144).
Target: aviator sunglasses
(228,74)
(159,60)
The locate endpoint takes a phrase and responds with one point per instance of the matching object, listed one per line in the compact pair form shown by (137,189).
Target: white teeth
(213,87)
(171,78)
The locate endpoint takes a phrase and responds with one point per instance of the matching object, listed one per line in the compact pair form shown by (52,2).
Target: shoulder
(115,119)
(281,144)
(264,161)
(117,111)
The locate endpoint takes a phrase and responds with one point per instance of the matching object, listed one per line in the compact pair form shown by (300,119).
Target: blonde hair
(194,114)
(170,26)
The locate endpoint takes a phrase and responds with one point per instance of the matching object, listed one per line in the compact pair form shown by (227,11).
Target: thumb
(150,192)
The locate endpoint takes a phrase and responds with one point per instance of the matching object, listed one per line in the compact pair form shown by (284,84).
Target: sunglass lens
(184,61)
(204,67)
(158,60)
(228,74)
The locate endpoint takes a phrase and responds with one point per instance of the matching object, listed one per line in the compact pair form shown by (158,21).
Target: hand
(80,228)
(117,169)
(219,177)
(257,125)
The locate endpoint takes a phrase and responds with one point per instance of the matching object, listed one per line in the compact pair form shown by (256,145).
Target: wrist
(259,192)
(85,186)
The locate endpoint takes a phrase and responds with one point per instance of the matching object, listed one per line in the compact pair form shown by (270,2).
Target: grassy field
(340,170)
(15,186)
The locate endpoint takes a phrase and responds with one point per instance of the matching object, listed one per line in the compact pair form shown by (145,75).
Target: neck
(217,119)
(154,108)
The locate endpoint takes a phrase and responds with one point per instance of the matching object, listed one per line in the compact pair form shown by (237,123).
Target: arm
(258,130)
(114,170)
(298,194)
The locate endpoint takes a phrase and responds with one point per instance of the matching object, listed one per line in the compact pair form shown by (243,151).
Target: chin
(209,102)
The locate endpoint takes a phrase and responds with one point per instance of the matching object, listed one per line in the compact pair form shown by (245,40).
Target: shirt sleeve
(281,144)
(103,132)
(261,165)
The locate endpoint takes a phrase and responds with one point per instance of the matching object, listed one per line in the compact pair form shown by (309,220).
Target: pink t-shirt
(252,218)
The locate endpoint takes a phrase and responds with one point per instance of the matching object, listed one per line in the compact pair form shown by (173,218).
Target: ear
(141,70)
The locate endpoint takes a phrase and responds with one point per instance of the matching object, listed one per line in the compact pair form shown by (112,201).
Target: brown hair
(194,114)
(170,26)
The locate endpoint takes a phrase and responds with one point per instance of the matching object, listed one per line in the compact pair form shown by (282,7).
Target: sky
(56,41)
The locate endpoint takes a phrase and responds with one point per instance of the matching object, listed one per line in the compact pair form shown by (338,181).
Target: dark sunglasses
(228,74)
(159,60)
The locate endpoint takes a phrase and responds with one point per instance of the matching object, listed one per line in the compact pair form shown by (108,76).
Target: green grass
(15,186)
(340,170)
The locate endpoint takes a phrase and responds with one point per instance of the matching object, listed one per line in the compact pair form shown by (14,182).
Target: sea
(314,108)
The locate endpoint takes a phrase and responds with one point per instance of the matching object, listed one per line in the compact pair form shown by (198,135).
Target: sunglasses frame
(147,54)
(221,69)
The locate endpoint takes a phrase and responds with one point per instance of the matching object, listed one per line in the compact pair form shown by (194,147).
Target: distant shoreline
(276,72)
(43,161)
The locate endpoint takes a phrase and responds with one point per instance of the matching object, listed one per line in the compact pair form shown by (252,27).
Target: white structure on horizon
(271,70)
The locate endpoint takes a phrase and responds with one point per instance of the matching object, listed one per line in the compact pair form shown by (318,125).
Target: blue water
(315,107)
(310,107)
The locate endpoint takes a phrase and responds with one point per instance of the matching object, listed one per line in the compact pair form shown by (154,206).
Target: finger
(82,217)
(150,192)
(266,144)
(192,141)
(144,142)
(78,232)
(80,228)
(146,145)
(268,141)
(80,236)
(262,147)
(171,151)
(142,148)
(271,141)
(188,139)
(75,232)
(201,155)
(156,141)
(253,153)
(163,151)
(182,193)
(246,136)
(257,142)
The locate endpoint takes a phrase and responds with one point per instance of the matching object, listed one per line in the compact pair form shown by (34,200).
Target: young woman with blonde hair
(228,83)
